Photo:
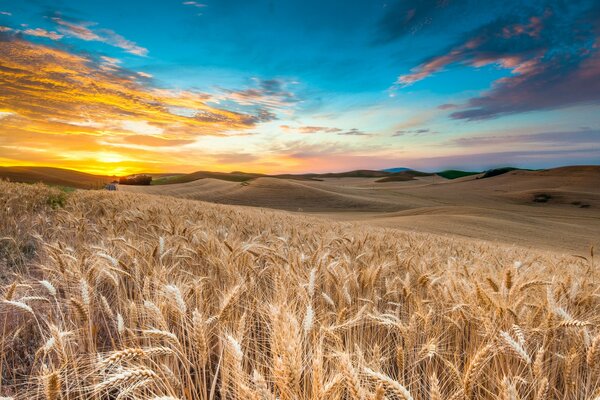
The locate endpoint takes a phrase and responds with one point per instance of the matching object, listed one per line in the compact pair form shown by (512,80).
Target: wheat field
(130,296)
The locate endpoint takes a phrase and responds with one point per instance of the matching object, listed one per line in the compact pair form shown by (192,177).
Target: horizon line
(432,171)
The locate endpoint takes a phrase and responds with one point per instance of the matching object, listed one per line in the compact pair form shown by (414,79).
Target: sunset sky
(278,86)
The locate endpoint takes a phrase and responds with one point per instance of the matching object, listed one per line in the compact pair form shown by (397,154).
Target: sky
(280,86)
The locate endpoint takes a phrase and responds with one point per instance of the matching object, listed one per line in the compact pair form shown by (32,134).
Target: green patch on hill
(455,173)
(497,171)
(403,176)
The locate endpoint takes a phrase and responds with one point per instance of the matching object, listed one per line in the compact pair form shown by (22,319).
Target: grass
(138,297)
(500,171)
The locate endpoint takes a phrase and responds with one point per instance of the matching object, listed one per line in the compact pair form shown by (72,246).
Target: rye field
(132,296)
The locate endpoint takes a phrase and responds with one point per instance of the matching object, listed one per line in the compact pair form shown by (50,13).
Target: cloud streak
(413,132)
(583,139)
(271,93)
(354,132)
(552,52)
(39,32)
(84,30)
(309,129)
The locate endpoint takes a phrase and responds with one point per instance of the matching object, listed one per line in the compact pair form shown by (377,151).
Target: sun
(110,157)
(111,164)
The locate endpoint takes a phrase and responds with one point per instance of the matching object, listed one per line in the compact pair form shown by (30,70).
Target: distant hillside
(403,176)
(82,180)
(499,171)
(359,173)
(54,176)
(394,170)
(455,173)
(184,178)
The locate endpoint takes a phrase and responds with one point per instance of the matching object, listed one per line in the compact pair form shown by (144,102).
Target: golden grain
(134,296)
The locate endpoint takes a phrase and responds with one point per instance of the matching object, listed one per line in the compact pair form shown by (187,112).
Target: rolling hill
(184,178)
(402,176)
(54,176)
(270,192)
(555,209)
(397,173)
(397,169)
(504,208)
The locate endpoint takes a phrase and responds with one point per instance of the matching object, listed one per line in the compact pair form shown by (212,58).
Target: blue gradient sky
(298,86)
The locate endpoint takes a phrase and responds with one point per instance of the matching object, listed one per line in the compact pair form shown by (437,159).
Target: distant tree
(136,180)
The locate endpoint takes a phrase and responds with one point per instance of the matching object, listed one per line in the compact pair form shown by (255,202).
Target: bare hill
(554,209)
(269,192)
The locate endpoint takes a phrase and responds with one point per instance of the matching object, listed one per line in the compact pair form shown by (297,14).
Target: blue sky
(298,86)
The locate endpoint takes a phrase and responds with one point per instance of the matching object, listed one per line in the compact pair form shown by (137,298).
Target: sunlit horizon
(175,87)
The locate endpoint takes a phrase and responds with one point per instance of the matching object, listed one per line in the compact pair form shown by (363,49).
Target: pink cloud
(39,32)
(487,46)
(80,31)
(429,68)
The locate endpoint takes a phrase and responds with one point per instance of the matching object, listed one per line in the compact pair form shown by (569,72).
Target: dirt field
(557,209)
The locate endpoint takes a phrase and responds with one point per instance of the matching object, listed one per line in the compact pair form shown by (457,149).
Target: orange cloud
(63,109)
(39,32)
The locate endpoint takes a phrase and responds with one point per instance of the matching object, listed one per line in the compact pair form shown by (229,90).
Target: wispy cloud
(513,42)
(413,132)
(309,129)
(315,129)
(236,158)
(481,160)
(409,17)
(354,132)
(554,58)
(39,32)
(271,93)
(195,5)
(85,30)
(582,139)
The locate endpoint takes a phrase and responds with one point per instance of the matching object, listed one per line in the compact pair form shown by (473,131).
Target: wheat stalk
(126,378)
(394,386)
(516,347)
